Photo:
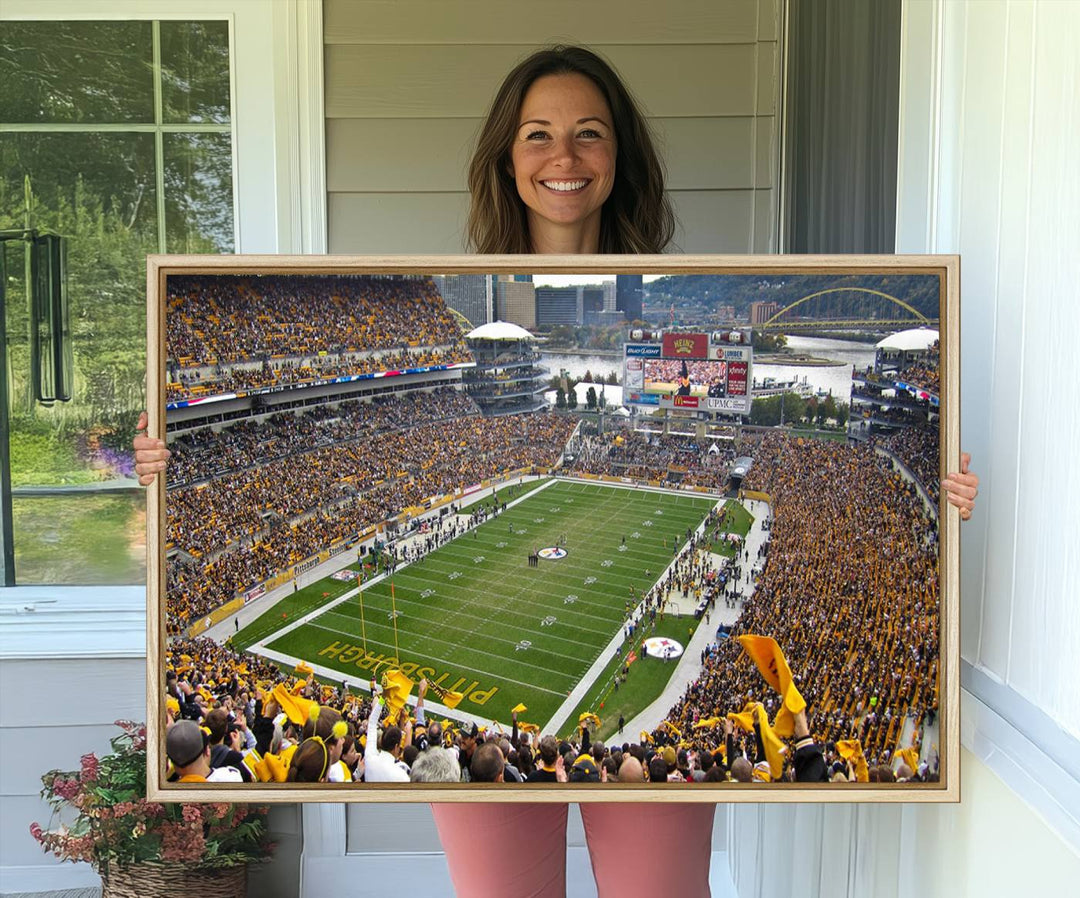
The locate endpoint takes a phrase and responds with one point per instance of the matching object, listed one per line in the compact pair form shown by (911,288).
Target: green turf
(290,608)
(512,491)
(326,590)
(474,617)
(645,680)
(741,521)
(836,436)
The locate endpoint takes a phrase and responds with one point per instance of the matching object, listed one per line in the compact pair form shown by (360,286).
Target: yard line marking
(487,618)
(444,626)
(543,594)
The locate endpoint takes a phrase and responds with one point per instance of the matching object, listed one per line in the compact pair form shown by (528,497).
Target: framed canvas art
(590,528)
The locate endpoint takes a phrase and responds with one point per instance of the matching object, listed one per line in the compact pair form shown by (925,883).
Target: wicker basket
(154,880)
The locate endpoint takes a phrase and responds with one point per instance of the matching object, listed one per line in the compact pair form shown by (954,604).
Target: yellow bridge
(870,308)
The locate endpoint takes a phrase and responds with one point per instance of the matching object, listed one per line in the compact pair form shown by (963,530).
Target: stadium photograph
(405,541)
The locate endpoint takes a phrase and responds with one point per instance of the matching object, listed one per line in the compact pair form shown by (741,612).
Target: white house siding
(407,86)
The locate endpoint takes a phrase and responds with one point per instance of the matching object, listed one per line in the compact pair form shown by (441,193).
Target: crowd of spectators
(302,372)
(849,589)
(913,434)
(228,333)
(243,526)
(249,709)
(925,373)
(919,448)
(208,453)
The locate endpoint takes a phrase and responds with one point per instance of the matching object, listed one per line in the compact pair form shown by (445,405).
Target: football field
(476,618)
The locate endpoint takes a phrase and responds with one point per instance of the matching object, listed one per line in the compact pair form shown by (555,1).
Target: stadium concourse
(276,491)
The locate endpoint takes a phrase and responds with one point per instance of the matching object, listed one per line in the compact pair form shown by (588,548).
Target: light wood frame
(945,267)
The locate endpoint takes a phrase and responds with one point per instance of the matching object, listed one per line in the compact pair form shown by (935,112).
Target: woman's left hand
(962,488)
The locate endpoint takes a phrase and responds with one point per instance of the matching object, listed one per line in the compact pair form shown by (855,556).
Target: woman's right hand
(150,454)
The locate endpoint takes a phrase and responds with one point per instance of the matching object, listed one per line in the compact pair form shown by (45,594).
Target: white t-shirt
(225,775)
(380,766)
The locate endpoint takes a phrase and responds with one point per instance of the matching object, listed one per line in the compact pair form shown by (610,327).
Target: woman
(565,164)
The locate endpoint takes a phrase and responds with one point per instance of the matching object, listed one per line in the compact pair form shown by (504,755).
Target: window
(117,135)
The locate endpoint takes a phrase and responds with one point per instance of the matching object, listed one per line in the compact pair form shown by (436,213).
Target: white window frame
(279,197)
(1033,754)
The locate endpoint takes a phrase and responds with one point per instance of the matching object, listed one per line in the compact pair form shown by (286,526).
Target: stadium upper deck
(229,334)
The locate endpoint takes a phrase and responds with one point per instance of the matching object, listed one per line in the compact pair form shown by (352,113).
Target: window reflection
(80,72)
(198,193)
(195,71)
(79,516)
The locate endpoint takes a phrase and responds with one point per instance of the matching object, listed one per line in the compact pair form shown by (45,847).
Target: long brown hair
(636,218)
(309,762)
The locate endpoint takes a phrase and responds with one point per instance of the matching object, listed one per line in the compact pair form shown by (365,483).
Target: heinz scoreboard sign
(686,346)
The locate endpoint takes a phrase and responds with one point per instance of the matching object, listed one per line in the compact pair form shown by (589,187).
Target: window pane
(106,175)
(81,539)
(76,72)
(98,191)
(198,193)
(195,72)
(79,516)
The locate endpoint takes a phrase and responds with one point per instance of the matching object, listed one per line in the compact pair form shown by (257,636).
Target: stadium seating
(234,334)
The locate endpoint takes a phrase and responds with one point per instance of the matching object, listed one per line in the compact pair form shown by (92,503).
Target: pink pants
(520,849)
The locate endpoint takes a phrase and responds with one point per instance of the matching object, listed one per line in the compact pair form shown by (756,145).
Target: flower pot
(173,881)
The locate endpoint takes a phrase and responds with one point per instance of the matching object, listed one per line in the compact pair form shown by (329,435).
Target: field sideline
(473,616)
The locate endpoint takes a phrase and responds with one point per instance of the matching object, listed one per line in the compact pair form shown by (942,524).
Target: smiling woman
(563,162)
(563,117)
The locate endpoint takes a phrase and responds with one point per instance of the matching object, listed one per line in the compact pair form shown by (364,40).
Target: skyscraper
(470,294)
(609,296)
(558,305)
(629,294)
(592,304)
(515,301)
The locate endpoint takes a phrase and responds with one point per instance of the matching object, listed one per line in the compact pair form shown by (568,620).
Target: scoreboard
(691,370)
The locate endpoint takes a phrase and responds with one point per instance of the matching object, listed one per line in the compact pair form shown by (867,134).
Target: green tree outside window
(117,136)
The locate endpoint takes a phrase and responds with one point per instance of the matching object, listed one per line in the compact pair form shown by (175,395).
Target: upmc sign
(738,404)
(686,346)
